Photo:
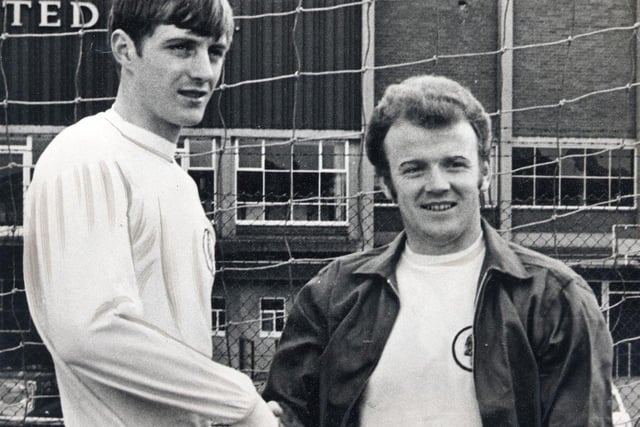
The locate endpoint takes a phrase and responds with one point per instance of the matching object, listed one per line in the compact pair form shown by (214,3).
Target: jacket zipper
(347,413)
(479,300)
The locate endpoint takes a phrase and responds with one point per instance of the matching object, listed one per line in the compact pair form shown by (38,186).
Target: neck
(129,109)
(429,245)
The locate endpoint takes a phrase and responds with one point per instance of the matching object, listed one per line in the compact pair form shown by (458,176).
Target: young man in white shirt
(119,255)
(448,325)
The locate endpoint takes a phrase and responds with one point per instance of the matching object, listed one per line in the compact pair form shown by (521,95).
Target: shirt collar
(142,137)
(499,256)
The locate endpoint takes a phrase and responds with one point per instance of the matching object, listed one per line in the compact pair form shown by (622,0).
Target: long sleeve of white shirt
(118,271)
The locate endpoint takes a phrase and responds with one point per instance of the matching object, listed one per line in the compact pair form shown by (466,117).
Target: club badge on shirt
(462,348)
(208,246)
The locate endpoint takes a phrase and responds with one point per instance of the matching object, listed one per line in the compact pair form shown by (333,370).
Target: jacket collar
(384,264)
(499,256)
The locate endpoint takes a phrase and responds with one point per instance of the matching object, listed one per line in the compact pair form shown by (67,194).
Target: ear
(485,178)
(123,48)
(388,188)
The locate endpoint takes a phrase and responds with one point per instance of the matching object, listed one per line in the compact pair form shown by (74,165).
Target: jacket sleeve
(294,373)
(84,297)
(575,358)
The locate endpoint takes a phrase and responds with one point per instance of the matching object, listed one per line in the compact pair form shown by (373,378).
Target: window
(279,182)
(197,157)
(272,317)
(15,176)
(14,314)
(219,316)
(622,311)
(573,177)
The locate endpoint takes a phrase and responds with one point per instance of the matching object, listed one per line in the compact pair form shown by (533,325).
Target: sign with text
(39,14)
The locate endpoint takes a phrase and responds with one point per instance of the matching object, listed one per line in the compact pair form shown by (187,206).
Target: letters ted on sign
(50,13)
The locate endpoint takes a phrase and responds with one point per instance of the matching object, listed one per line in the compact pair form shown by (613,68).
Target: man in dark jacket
(449,325)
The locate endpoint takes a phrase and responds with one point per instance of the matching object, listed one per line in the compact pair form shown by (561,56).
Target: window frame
(615,292)
(575,144)
(320,170)
(26,151)
(183,157)
(218,329)
(276,313)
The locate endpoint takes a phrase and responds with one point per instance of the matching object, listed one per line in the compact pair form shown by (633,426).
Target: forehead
(405,139)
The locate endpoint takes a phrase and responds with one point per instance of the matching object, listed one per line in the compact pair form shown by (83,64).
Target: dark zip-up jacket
(542,353)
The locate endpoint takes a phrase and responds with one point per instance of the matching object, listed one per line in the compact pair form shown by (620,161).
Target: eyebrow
(196,39)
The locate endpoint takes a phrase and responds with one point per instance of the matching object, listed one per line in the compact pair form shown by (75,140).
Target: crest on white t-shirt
(462,348)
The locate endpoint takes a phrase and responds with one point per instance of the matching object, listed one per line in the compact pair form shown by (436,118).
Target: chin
(190,120)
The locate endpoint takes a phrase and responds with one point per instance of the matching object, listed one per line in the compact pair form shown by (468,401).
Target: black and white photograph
(319,213)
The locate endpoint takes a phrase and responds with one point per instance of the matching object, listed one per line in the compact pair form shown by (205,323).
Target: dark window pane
(272,304)
(571,191)
(277,157)
(546,158)
(333,154)
(306,156)
(11,190)
(14,314)
(305,185)
(306,212)
(572,162)
(276,213)
(545,190)
(267,321)
(250,153)
(622,187)
(222,320)
(333,185)
(249,186)
(522,191)
(277,186)
(250,213)
(597,164)
(597,190)
(333,212)
(522,158)
(622,163)
(204,181)
(201,153)
(218,303)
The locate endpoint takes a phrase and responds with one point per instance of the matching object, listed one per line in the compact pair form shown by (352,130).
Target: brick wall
(546,75)
(409,30)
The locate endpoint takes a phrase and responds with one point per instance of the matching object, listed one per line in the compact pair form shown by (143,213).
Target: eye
(410,169)
(216,53)
(457,164)
(181,49)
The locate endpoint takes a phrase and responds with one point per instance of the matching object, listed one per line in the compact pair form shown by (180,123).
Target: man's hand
(275,408)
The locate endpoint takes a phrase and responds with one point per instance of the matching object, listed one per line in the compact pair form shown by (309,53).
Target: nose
(202,68)
(436,181)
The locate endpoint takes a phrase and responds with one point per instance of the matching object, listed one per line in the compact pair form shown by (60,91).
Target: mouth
(439,207)
(194,94)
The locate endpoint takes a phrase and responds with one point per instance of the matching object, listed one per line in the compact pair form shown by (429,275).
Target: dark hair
(428,101)
(139,18)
